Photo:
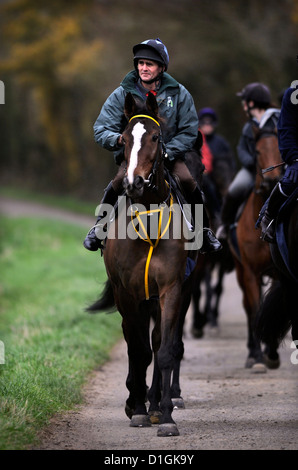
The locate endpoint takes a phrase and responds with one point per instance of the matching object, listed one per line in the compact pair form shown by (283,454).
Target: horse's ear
(151,104)
(129,106)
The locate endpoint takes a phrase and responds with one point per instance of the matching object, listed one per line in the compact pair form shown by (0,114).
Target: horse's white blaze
(137,133)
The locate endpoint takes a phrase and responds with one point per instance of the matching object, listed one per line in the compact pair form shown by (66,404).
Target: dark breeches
(118,179)
(179,169)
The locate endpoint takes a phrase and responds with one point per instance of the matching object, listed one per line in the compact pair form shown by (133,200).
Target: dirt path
(227,407)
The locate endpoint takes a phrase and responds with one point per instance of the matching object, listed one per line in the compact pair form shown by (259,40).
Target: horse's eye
(155,138)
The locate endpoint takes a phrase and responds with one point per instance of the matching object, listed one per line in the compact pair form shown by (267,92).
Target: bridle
(150,181)
(135,213)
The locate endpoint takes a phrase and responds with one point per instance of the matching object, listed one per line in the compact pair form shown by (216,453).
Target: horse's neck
(162,187)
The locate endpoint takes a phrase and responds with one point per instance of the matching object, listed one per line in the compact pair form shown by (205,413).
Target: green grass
(63,202)
(51,344)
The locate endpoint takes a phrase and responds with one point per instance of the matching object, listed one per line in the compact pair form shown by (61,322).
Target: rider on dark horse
(256,102)
(223,163)
(288,146)
(180,132)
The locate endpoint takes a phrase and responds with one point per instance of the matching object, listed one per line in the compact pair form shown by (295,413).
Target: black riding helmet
(151,49)
(257,92)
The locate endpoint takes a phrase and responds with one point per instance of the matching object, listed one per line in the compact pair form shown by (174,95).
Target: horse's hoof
(259,368)
(167,429)
(197,333)
(155,417)
(178,403)
(128,411)
(140,421)
(272,363)
(250,361)
(214,331)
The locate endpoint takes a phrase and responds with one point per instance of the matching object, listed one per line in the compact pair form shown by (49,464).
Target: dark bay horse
(146,271)
(252,255)
(278,311)
(215,266)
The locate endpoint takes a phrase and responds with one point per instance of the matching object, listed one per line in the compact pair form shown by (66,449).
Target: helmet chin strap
(156,79)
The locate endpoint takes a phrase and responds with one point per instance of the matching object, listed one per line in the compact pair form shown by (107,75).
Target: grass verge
(51,343)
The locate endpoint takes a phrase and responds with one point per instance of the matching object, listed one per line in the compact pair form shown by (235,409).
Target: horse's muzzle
(136,188)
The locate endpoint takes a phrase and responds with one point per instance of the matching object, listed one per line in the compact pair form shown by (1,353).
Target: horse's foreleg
(136,333)
(154,393)
(251,300)
(199,318)
(178,348)
(217,293)
(170,306)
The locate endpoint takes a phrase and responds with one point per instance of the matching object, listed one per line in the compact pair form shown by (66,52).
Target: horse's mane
(265,131)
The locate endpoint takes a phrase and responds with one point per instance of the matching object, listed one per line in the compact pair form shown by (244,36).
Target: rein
(145,237)
(135,213)
(270,168)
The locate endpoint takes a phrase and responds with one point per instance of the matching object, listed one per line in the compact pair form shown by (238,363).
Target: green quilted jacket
(175,104)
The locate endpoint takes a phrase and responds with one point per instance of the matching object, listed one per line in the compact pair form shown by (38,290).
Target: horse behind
(146,273)
(278,311)
(252,255)
(216,265)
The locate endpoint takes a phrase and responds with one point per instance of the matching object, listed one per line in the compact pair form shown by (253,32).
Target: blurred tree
(50,51)
(60,60)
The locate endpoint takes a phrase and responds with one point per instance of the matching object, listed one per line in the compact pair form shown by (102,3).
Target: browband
(145,116)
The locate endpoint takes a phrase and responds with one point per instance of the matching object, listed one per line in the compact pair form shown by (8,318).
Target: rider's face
(148,69)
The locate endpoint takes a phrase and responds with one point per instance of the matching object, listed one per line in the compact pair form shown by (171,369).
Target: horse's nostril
(138,182)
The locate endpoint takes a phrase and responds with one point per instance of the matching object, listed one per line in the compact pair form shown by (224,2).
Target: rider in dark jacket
(180,131)
(288,146)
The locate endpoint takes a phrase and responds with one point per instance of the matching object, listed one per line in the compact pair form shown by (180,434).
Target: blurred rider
(256,103)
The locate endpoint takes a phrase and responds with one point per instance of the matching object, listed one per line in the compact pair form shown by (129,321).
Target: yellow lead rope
(146,237)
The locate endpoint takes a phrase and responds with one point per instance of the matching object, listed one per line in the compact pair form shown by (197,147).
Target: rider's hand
(291,172)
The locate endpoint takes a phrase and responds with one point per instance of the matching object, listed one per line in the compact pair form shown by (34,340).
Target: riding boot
(276,199)
(228,216)
(92,242)
(210,242)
